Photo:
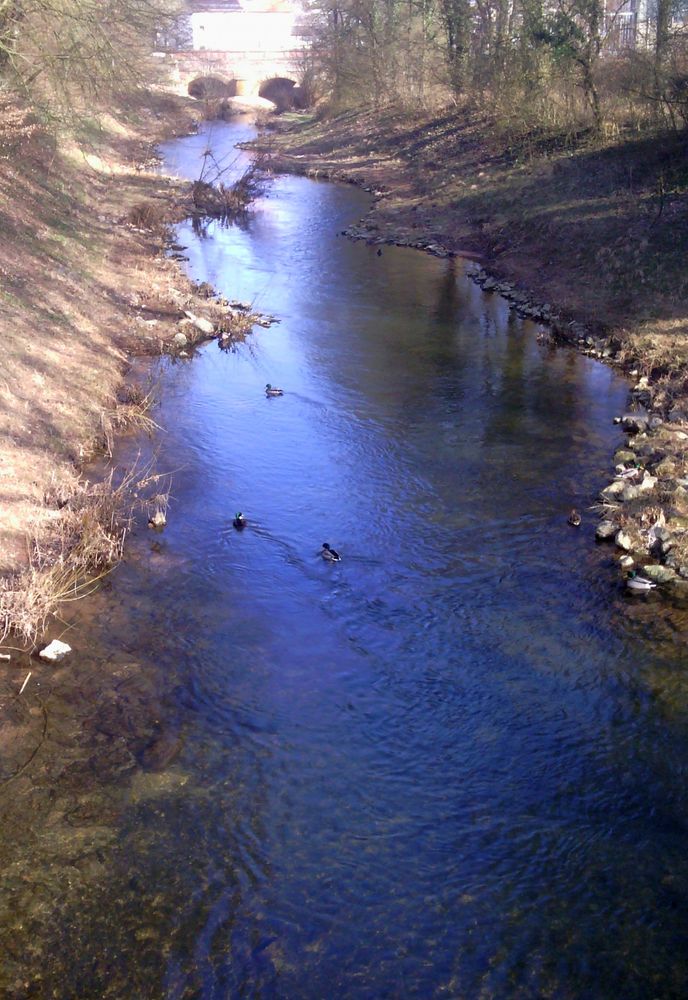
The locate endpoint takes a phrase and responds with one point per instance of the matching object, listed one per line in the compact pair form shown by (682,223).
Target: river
(451,765)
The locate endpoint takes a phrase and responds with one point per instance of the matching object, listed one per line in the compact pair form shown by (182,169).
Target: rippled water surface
(452,765)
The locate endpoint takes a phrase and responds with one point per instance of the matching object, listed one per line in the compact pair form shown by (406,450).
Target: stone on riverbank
(204,326)
(660,574)
(614,490)
(648,482)
(623,540)
(606,530)
(634,423)
(630,493)
(55,651)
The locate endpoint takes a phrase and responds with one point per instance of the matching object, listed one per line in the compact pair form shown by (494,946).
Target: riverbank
(590,240)
(89,284)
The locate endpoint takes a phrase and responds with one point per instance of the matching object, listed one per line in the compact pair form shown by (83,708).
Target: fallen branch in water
(212,197)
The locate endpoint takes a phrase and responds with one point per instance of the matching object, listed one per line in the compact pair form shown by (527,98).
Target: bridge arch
(282,91)
(211,85)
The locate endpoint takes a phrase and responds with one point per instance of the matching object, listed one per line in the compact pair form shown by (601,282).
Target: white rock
(204,325)
(623,540)
(179,340)
(649,482)
(606,530)
(614,489)
(626,562)
(55,651)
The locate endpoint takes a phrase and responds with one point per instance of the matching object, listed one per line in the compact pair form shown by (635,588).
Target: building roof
(214,6)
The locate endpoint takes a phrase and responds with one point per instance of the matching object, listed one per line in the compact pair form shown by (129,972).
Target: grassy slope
(601,233)
(72,273)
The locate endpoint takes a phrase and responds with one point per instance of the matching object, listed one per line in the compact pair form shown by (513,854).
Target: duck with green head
(272,390)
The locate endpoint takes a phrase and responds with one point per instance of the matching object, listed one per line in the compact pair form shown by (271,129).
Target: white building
(245,25)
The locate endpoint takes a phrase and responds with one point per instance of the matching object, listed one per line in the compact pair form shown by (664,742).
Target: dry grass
(132,416)
(75,279)
(81,258)
(87,541)
(148,215)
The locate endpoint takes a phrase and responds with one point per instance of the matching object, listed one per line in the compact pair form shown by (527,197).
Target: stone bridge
(246,72)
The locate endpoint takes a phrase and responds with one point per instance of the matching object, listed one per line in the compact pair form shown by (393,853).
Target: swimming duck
(635,582)
(271,390)
(574,518)
(239,521)
(329,554)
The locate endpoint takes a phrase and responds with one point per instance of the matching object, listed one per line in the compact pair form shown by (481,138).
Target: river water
(451,765)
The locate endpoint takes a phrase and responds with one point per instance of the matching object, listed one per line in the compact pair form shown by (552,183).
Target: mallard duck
(239,521)
(635,582)
(329,554)
(630,472)
(574,518)
(271,390)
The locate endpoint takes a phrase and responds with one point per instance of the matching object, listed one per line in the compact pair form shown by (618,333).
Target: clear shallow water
(453,764)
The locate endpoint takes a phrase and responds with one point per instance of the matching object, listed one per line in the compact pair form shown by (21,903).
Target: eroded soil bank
(88,284)
(590,240)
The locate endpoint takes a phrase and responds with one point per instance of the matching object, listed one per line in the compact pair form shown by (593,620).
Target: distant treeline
(64,55)
(600,64)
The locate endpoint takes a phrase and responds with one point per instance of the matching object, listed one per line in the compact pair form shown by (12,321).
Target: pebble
(55,651)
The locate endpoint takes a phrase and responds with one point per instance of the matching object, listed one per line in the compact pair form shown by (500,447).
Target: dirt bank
(590,239)
(87,284)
